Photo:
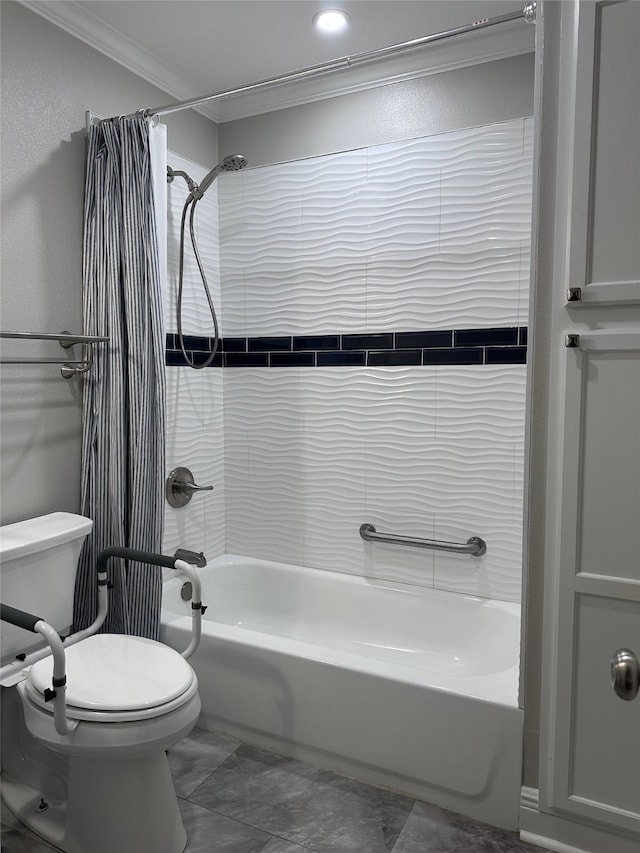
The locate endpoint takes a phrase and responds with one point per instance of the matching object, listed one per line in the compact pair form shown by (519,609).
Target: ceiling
(195,47)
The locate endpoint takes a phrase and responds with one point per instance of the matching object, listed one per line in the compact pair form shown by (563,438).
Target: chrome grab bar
(66,340)
(475,546)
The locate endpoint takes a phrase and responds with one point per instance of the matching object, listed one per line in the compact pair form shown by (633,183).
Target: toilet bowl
(104,786)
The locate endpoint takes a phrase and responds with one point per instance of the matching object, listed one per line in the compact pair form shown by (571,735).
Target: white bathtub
(393,684)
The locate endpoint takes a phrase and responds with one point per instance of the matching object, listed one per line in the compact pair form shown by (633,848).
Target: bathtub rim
(514,607)
(499,688)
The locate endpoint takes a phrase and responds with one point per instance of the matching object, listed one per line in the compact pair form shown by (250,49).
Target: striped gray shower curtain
(123,446)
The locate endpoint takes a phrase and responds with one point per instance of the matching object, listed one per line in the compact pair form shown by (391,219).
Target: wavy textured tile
(431,232)
(450,479)
(449,189)
(487,143)
(195,440)
(286,299)
(263,400)
(481,403)
(527,137)
(311,454)
(331,539)
(370,401)
(478,285)
(267,526)
(396,562)
(494,205)
(497,574)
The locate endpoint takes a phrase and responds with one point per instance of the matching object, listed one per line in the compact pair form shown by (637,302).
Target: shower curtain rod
(528,13)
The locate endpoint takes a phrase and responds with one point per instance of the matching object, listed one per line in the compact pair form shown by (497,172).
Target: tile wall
(374,309)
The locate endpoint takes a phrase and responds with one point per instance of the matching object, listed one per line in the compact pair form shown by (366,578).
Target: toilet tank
(38,562)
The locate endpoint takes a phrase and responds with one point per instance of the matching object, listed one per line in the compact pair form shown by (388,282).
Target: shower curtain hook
(529,12)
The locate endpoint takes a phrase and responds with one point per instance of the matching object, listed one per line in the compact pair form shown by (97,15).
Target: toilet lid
(114,672)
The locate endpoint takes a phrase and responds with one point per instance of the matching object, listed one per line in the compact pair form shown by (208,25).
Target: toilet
(105,786)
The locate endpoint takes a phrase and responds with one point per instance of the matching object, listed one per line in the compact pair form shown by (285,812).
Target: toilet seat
(117,678)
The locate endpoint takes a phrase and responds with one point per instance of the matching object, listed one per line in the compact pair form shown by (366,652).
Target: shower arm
(171,174)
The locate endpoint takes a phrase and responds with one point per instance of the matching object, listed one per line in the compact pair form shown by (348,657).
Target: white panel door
(596,741)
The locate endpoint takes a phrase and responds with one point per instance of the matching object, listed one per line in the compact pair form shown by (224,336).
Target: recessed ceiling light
(331,20)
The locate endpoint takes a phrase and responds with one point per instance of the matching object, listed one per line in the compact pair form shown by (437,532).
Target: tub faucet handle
(181,487)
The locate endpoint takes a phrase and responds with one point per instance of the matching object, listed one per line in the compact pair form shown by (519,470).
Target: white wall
(49,80)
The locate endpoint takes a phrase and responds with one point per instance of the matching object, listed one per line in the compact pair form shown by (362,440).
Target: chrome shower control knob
(181,487)
(625,674)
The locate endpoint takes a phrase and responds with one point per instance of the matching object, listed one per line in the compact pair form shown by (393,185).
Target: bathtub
(410,688)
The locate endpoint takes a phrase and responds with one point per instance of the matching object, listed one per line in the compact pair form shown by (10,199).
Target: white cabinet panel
(615,248)
(604,221)
(610,464)
(605,737)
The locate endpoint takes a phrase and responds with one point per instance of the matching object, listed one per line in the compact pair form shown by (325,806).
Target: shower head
(233,163)
(230,164)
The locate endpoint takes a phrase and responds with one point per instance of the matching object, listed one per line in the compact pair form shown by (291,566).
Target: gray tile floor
(235,798)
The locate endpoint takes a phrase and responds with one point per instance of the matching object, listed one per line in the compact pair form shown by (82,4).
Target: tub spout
(191,557)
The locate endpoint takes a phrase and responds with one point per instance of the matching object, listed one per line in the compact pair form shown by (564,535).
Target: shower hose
(191,204)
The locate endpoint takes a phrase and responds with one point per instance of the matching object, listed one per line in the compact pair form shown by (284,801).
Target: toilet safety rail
(475,546)
(59,680)
(197,608)
(56,644)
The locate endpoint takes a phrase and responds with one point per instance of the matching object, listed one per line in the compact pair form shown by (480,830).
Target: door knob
(181,487)
(625,674)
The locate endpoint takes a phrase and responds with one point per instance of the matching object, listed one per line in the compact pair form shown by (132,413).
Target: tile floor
(236,798)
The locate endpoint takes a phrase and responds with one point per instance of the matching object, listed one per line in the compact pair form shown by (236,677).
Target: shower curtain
(123,445)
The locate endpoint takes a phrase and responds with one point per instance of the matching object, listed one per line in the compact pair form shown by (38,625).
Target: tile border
(497,345)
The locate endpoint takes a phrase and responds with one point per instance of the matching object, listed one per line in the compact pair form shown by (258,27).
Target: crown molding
(89,29)
(488,45)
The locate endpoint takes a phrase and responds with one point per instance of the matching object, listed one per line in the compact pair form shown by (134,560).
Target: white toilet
(105,787)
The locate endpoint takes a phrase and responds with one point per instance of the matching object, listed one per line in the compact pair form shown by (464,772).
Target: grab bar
(475,546)
(66,340)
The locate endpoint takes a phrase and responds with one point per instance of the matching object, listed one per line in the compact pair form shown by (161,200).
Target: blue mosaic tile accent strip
(269,344)
(174,358)
(394,358)
(234,344)
(506,355)
(368,342)
(292,359)
(457,355)
(486,337)
(423,340)
(246,359)
(505,345)
(341,359)
(316,342)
